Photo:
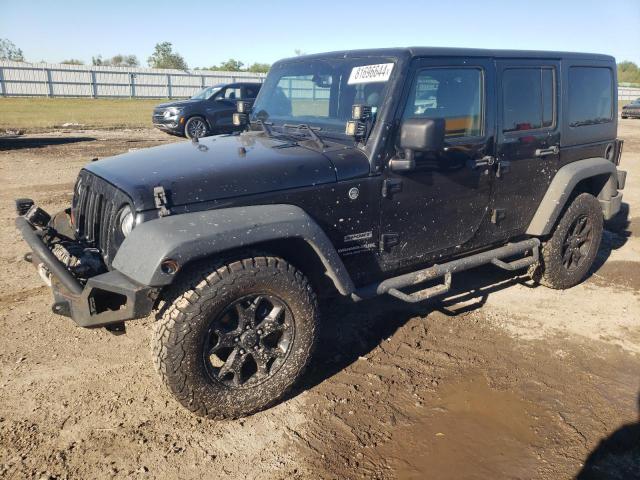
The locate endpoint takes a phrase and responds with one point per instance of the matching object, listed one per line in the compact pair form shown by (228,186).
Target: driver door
(438,207)
(223,106)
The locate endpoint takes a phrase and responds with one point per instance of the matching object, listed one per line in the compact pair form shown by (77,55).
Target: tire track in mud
(420,400)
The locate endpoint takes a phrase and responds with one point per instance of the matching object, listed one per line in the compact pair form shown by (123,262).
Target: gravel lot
(499,380)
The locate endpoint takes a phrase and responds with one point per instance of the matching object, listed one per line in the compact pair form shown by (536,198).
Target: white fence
(628,93)
(57,80)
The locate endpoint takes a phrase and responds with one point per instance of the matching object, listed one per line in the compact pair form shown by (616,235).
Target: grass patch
(38,114)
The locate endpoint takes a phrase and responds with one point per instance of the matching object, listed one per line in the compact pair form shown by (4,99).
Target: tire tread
(184,302)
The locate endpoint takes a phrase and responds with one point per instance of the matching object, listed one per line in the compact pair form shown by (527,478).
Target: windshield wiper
(312,133)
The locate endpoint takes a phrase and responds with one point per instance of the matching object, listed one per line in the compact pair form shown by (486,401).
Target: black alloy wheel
(249,341)
(196,127)
(578,243)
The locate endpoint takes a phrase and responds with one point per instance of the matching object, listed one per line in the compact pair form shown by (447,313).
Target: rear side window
(590,96)
(528,98)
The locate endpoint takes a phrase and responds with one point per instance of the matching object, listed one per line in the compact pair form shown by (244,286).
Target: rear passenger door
(528,141)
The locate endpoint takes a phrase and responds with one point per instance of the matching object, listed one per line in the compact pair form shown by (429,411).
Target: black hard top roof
(460,52)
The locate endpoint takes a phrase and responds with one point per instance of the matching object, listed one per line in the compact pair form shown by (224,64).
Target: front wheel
(232,340)
(570,252)
(196,127)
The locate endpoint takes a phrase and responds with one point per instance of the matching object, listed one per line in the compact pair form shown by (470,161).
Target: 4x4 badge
(353,193)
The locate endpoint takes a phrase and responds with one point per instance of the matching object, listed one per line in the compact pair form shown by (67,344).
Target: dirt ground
(501,379)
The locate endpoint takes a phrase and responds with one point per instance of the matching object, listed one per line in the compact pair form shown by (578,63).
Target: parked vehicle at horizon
(358,173)
(206,113)
(631,110)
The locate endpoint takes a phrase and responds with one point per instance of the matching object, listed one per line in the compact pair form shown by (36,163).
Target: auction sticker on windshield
(370,73)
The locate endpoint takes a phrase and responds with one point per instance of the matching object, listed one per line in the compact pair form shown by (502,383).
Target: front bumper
(105,299)
(173,125)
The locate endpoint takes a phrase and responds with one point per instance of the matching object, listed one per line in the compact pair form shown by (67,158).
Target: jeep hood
(219,167)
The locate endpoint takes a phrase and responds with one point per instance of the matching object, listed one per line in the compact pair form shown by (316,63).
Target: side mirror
(418,135)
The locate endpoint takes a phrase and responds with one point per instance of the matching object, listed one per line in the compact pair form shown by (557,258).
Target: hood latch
(160,199)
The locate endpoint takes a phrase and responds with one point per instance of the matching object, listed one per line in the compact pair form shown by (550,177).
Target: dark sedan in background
(206,113)
(631,110)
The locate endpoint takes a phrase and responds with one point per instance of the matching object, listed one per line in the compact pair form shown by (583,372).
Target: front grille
(95,207)
(158,115)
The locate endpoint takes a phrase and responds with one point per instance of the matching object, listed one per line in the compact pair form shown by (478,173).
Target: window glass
(590,96)
(232,94)
(454,94)
(522,99)
(252,92)
(206,93)
(528,98)
(321,92)
(305,96)
(548,97)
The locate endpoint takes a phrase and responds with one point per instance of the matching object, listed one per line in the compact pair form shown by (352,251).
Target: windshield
(321,92)
(206,93)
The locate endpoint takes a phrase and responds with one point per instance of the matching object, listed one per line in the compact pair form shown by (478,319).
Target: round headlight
(126,220)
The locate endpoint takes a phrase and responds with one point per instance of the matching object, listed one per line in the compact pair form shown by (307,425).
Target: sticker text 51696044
(370,73)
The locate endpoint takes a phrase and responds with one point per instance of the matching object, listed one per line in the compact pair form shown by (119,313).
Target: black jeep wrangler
(358,173)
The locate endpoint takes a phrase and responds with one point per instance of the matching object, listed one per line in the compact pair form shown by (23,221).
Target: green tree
(116,61)
(259,67)
(231,65)
(164,57)
(72,61)
(628,72)
(8,51)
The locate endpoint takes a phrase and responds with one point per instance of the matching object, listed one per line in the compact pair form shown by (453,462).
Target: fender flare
(563,184)
(192,236)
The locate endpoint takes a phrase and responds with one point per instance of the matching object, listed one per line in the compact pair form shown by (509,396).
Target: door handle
(485,161)
(543,152)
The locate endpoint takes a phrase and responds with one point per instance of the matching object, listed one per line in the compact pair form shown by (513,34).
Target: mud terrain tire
(570,251)
(212,302)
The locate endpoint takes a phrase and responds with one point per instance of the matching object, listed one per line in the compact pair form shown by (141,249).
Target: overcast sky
(208,32)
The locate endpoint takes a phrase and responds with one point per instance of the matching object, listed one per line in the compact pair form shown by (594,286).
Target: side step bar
(496,257)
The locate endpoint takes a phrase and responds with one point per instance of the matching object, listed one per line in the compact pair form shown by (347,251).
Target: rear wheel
(235,338)
(569,254)
(196,127)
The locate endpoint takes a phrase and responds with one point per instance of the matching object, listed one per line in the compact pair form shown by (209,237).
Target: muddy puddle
(473,431)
